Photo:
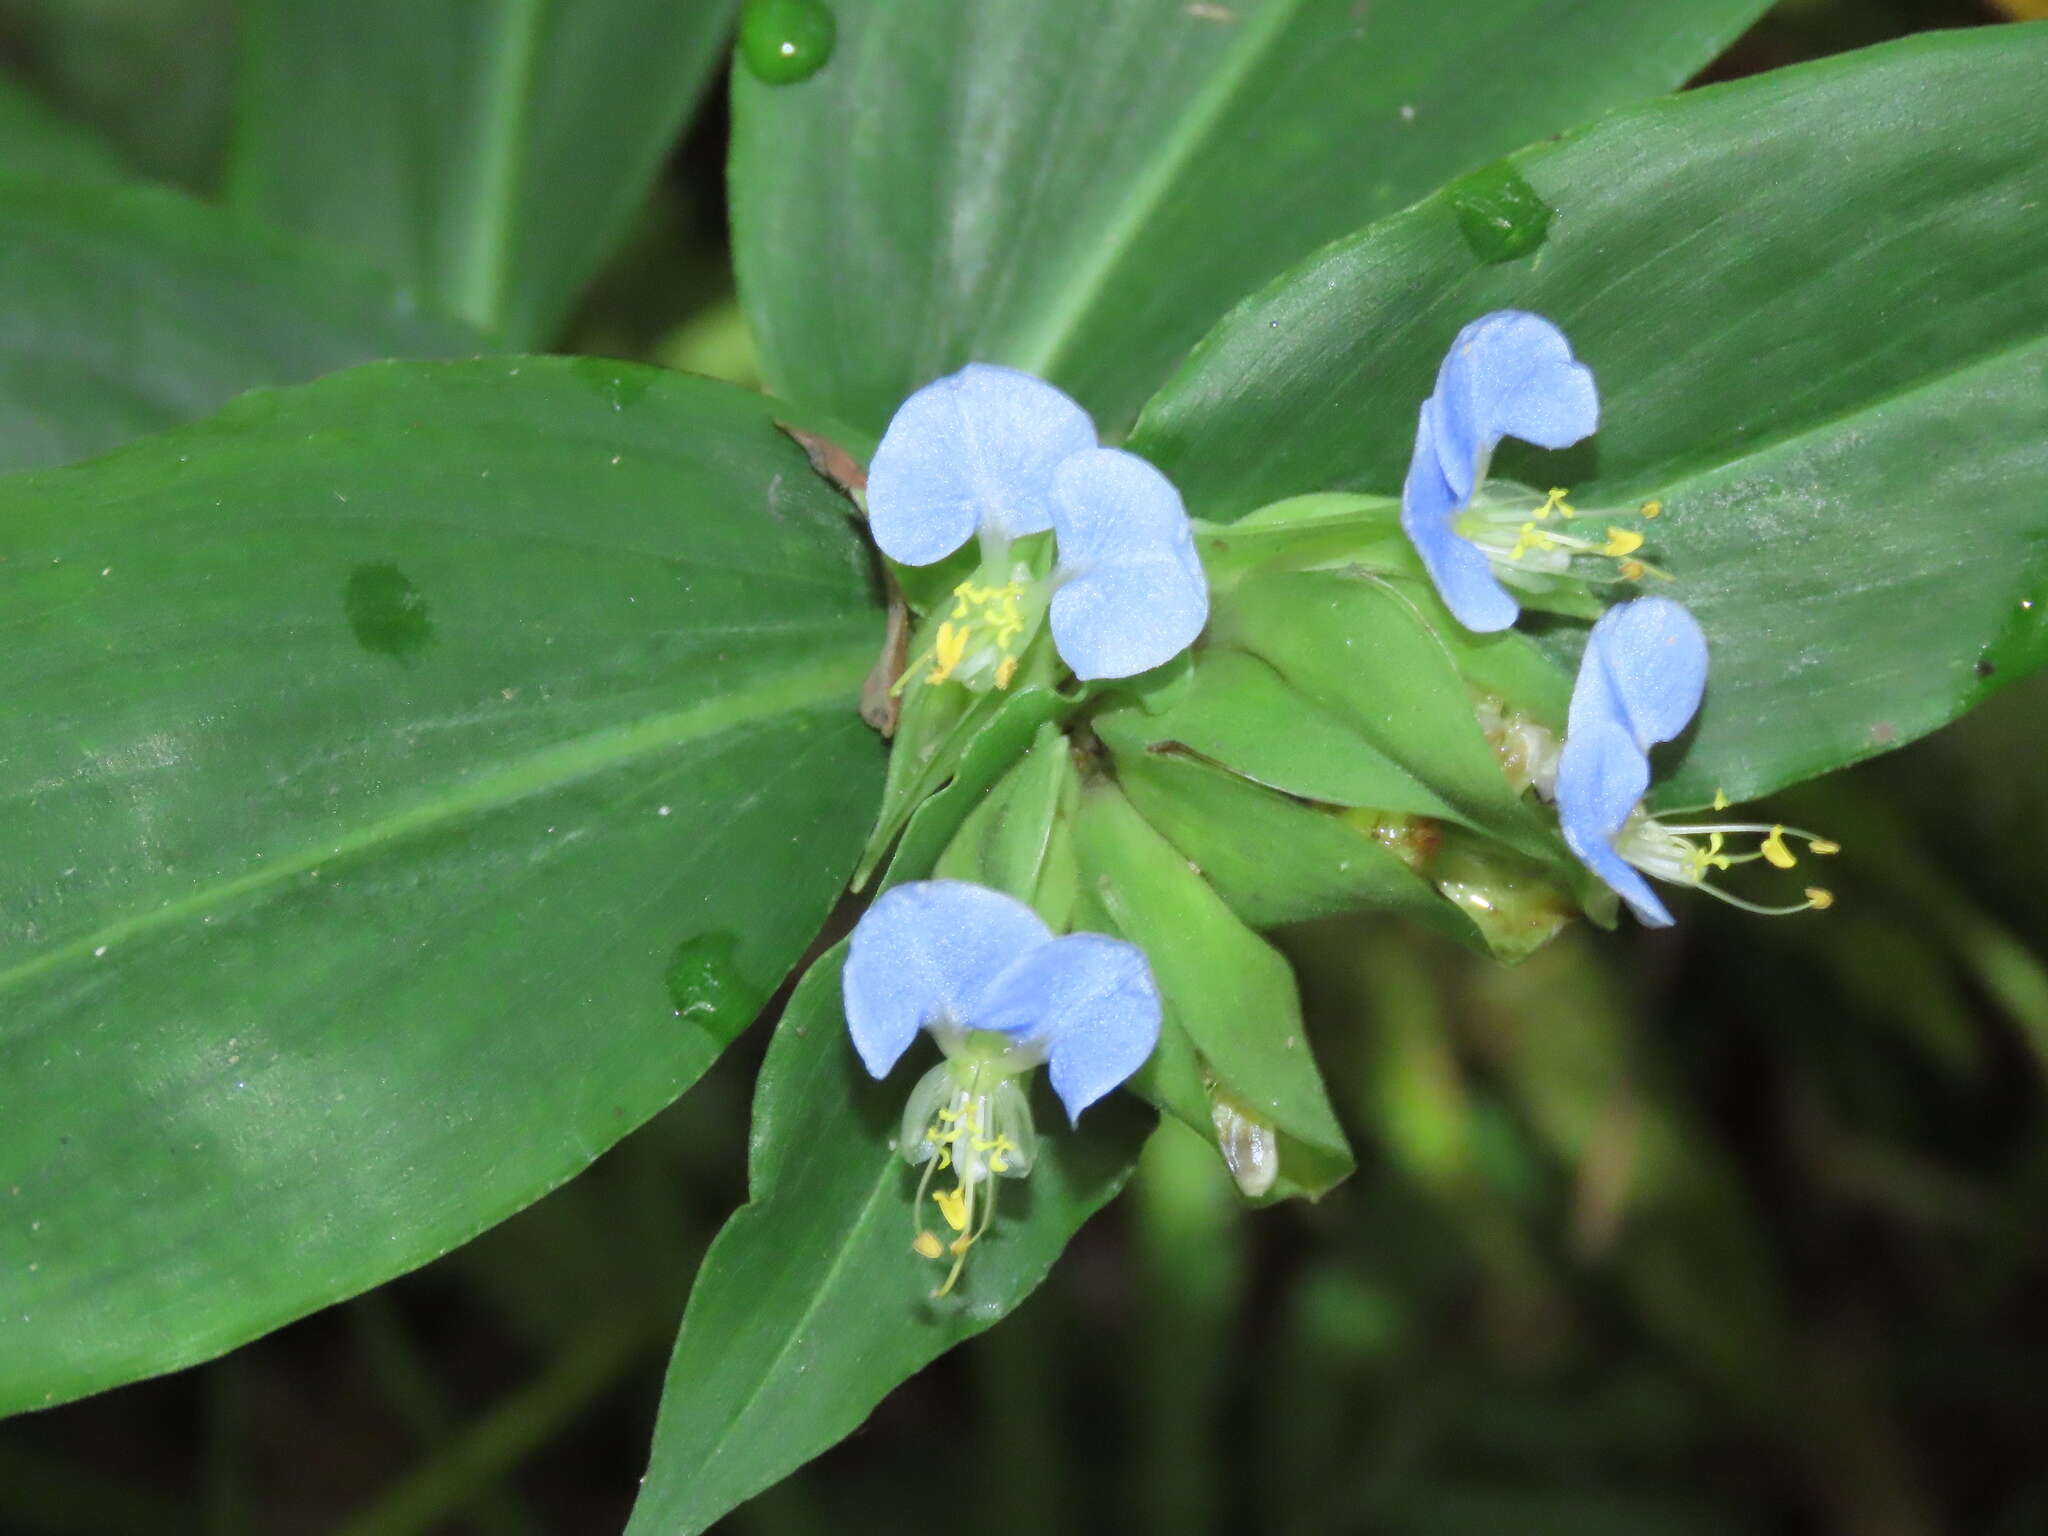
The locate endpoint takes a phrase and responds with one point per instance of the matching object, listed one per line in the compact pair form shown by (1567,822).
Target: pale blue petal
(1464,579)
(1601,777)
(1132,594)
(1509,374)
(1091,1001)
(926,951)
(978,446)
(1644,669)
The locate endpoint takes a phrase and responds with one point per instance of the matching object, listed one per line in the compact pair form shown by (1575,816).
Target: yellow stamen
(948,651)
(1006,671)
(1653,509)
(1721,800)
(927,1246)
(1822,846)
(1621,541)
(1821,899)
(1528,538)
(1555,502)
(1775,852)
(952,1204)
(1632,570)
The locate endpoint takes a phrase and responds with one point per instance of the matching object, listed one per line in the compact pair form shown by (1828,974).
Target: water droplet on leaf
(784,41)
(387,612)
(705,986)
(2021,643)
(1499,213)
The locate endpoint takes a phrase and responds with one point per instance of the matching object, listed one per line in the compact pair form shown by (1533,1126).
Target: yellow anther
(1530,537)
(1555,502)
(1822,846)
(996,1148)
(1820,899)
(1775,853)
(926,1246)
(961,1245)
(1721,800)
(1632,570)
(948,651)
(1006,671)
(952,1204)
(1621,541)
(1653,509)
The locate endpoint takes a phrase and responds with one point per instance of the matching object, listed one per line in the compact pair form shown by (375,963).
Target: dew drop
(386,612)
(784,41)
(705,986)
(1499,213)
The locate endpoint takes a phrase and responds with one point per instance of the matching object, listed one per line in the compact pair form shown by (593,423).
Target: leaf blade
(1794,346)
(389,918)
(1021,175)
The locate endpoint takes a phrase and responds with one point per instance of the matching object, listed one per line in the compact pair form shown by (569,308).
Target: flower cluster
(997,455)
(1644,671)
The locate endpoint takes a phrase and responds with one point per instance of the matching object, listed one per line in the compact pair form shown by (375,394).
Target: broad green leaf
(36,141)
(124,310)
(1272,859)
(411,782)
(488,153)
(151,78)
(1814,302)
(1080,190)
(1233,1028)
(811,1306)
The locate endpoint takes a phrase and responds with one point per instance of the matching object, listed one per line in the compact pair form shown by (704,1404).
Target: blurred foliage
(1735,1228)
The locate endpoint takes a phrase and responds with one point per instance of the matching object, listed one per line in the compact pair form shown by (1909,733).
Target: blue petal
(1429,508)
(1601,776)
(1132,593)
(1091,1001)
(978,446)
(925,951)
(1508,374)
(1644,669)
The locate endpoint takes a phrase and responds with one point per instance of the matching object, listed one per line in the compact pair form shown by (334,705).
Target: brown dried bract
(828,459)
(880,704)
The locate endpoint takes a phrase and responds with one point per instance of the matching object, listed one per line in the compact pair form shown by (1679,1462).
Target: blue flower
(1508,374)
(974,452)
(985,977)
(1640,683)
(992,453)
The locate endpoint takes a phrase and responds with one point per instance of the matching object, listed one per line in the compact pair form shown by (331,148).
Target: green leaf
(1080,191)
(412,782)
(1816,310)
(151,79)
(35,141)
(124,310)
(810,1306)
(489,153)
(1273,859)
(1233,1026)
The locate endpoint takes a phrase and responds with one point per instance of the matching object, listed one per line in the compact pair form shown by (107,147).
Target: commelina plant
(1218,466)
